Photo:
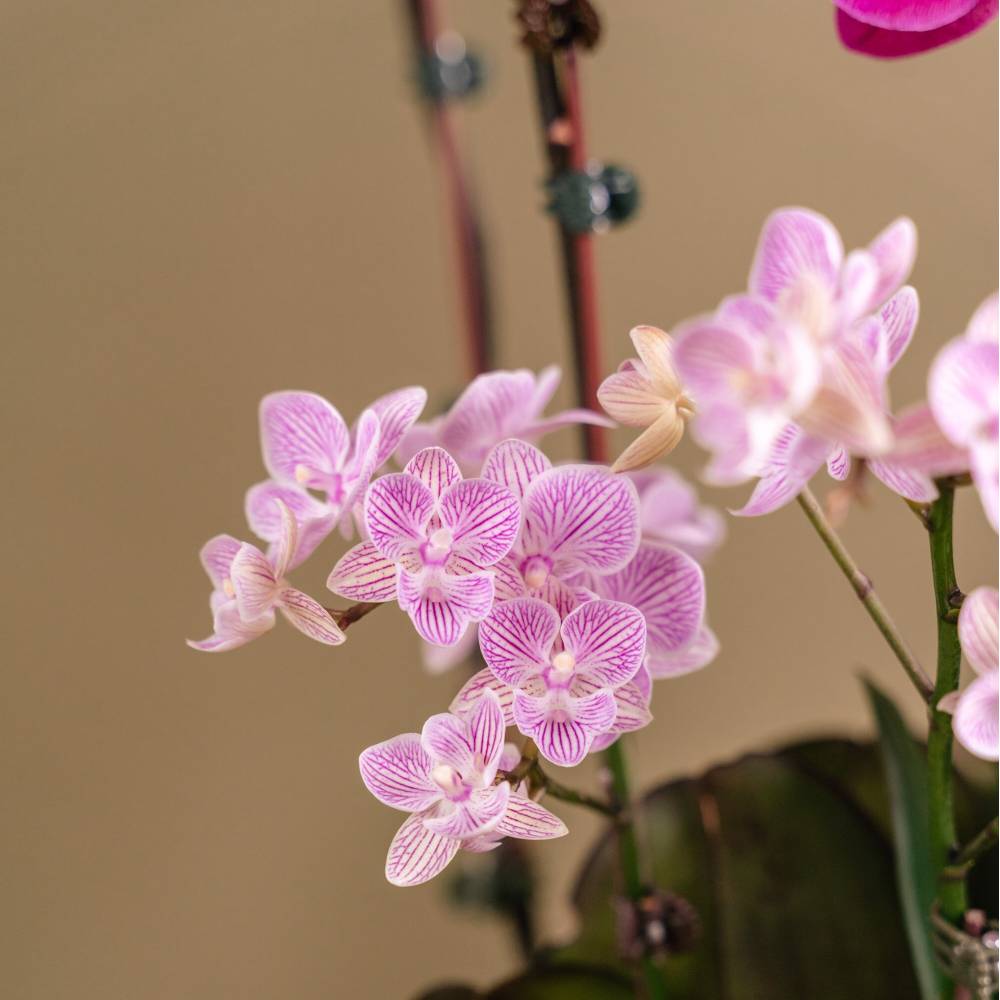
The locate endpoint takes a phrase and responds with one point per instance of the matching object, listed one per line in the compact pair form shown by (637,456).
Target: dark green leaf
(572,982)
(906,779)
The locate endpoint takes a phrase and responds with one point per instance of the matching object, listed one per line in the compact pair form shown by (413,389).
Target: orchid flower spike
(964,394)
(562,684)
(493,407)
(434,538)
(647,392)
(249,586)
(307,446)
(975,709)
(445,777)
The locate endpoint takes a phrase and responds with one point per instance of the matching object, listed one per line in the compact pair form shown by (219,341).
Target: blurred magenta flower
(976,709)
(433,538)
(889,29)
(493,407)
(444,778)
(963,393)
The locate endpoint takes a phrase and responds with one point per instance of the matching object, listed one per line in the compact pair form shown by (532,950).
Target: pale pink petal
(838,464)
(397,411)
(564,418)
(516,638)
(608,638)
(962,388)
(859,279)
(546,383)
(441,606)
(948,703)
(359,470)
(364,574)
(749,313)
(418,437)
(581,517)
(397,509)
(515,464)
(254,582)
(795,458)
(435,469)
(921,446)
(491,408)
(795,243)
(977,629)
(975,720)
(668,588)
(527,820)
(309,617)
(712,356)
(904,481)
(231,631)
(445,738)
(983,327)
(478,814)
(564,735)
(441,659)
(417,854)
(631,708)
(486,730)
(286,544)
(894,250)
(696,654)
(315,519)
(304,439)
(631,398)
(484,519)
(472,692)
(397,772)
(670,512)
(986,476)
(217,555)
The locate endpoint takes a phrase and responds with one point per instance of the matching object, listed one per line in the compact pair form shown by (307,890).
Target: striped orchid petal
(397,509)
(887,339)
(358,471)
(698,653)
(607,639)
(582,518)
(435,469)
(364,574)
(309,617)
(516,639)
(475,815)
(977,629)
(795,458)
(904,481)
(631,709)
(230,631)
(795,244)
(486,734)
(417,854)
(397,772)
(217,556)
(446,739)
(441,606)
(254,582)
(564,729)
(483,518)
(838,464)
(303,437)
(975,722)
(315,518)
(397,412)
(962,389)
(859,277)
(894,251)
(473,689)
(527,820)
(515,464)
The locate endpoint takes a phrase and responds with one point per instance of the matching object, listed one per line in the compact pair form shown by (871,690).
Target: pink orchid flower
(889,29)
(671,513)
(976,709)
(964,395)
(445,778)
(562,685)
(249,586)
(792,350)
(496,406)
(578,519)
(434,537)
(307,446)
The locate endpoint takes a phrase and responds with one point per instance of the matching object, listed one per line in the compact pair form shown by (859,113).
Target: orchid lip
(448,780)
(536,571)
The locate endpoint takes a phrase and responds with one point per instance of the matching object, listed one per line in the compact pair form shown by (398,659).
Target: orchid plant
(558,592)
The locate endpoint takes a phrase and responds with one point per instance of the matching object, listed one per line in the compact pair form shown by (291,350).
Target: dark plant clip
(450,71)
(968,956)
(658,923)
(595,199)
(547,25)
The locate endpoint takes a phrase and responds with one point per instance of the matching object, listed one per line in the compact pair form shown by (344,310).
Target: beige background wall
(201,202)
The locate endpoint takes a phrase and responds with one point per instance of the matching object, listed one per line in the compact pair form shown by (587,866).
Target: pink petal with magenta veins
(417,854)
(397,773)
(441,606)
(397,510)
(607,639)
(303,437)
(516,639)
(483,518)
(978,630)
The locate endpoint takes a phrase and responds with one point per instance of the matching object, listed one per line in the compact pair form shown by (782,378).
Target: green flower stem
(947,599)
(865,590)
(571,795)
(983,842)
